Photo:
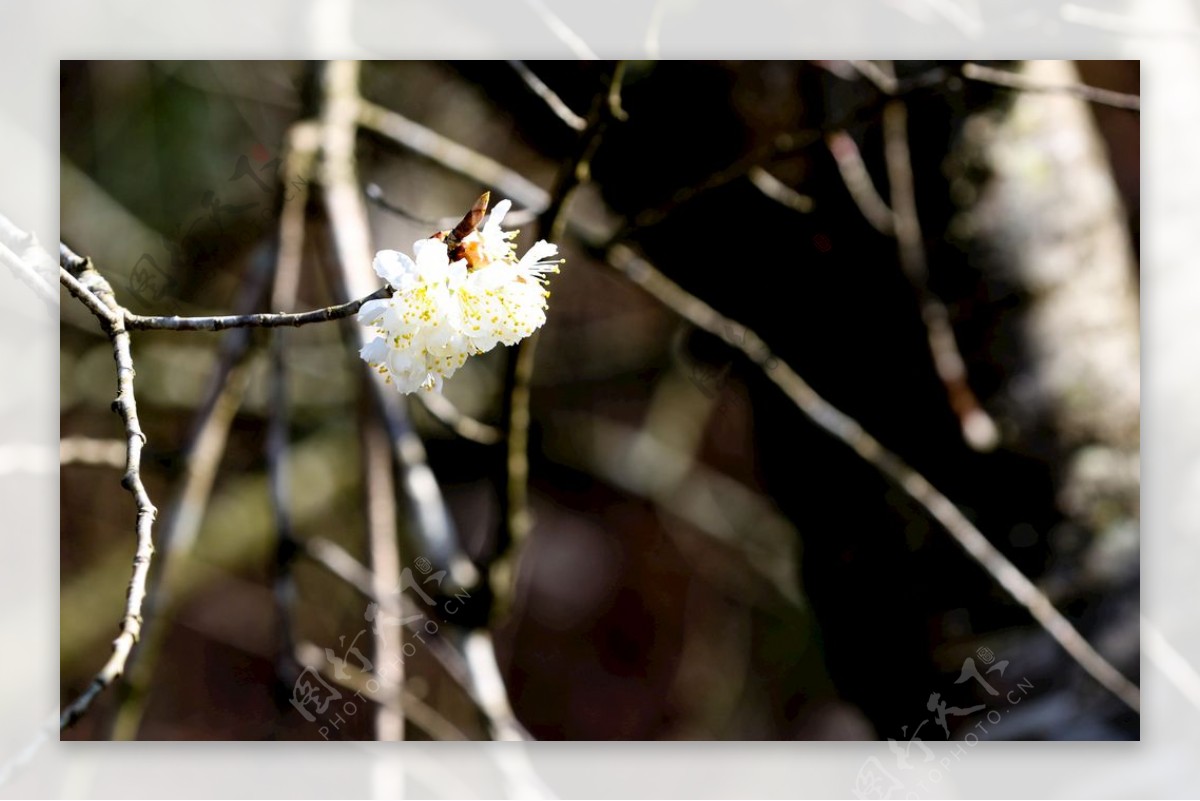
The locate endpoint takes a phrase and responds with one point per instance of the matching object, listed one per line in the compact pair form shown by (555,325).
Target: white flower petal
(370,312)
(393,267)
(432,258)
(375,352)
(498,212)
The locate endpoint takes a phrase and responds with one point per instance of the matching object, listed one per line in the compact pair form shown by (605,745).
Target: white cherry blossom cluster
(443,311)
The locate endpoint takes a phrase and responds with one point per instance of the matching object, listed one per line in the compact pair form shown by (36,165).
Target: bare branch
(107,317)
(262,320)
(82,275)
(844,428)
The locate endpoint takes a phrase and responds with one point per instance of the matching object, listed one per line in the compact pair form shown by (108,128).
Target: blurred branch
(778,191)
(552,100)
(445,412)
(978,429)
(858,182)
(615,82)
(81,274)
(476,680)
(347,213)
(298,157)
(1013,80)
(516,520)
(652,463)
(381,516)
(889,85)
(451,155)
(428,719)
(844,428)
(90,451)
(883,80)
(487,687)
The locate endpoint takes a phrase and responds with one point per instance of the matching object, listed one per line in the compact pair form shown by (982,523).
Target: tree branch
(262,320)
(844,428)
(110,314)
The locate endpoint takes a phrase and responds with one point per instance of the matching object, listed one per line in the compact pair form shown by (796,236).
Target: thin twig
(616,81)
(516,520)
(978,429)
(445,412)
(126,406)
(260,320)
(552,100)
(858,182)
(778,191)
(844,428)
(1015,80)
(86,296)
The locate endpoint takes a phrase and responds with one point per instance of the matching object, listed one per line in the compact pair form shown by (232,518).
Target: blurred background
(704,563)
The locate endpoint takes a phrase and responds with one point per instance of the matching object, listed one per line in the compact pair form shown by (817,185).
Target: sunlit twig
(79,275)
(552,100)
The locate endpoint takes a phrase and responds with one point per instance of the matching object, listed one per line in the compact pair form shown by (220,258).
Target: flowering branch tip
(461,293)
